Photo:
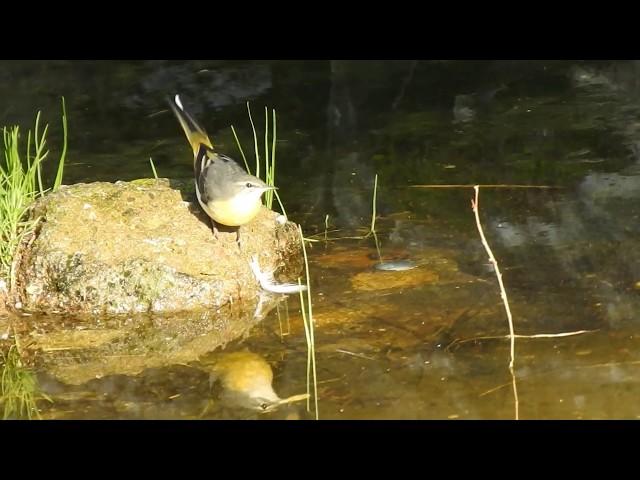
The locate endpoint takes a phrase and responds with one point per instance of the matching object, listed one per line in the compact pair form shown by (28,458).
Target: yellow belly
(233,213)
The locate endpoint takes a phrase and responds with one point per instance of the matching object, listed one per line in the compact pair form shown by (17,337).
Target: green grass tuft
(269,156)
(21,183)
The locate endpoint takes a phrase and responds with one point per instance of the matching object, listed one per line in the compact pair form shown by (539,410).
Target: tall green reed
(269,155)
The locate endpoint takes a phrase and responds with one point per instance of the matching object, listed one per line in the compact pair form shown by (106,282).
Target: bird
(246,379)
(226,192)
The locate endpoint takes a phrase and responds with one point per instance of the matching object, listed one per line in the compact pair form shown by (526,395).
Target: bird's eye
(249,185)
(264,406)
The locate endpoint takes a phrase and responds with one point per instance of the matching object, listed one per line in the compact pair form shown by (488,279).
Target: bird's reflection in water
(243,383)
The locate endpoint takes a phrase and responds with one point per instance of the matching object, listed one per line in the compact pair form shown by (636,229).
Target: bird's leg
(214,228)
(238,238)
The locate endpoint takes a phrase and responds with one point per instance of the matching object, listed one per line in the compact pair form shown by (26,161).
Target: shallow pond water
(425,342)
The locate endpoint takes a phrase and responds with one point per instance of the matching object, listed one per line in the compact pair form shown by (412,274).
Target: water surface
(395,344)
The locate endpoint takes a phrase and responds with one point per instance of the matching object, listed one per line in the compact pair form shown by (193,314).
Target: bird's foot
(214,229)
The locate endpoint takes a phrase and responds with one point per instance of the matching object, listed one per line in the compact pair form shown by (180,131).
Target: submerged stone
(373,281)
(143,246)
(396,266)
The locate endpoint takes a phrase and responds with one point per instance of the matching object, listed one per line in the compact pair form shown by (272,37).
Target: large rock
(143,246)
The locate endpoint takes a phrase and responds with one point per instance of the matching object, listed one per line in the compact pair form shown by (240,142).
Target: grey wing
(218,175)
(210,168)
(200,167)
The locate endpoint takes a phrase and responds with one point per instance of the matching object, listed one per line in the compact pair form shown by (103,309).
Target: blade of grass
(269,159)
(60,172)
(240,148)
(373,212)
(153,168)
(307,336)
(272,175)
(312,348)
(280,203)
(35,141)
(255,142)
(266,145)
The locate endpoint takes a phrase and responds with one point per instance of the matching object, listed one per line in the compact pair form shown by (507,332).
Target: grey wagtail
(226,192)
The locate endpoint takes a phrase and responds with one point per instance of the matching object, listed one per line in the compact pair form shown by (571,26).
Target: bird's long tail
(194,132)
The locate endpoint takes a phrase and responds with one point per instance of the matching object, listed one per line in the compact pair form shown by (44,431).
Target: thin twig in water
(552,335)
(485,186)
(372,227)
(326,226)
(539,335)
(353,354)
(495,389)
(546,372)
(503,293)
(612,364)
(331,380)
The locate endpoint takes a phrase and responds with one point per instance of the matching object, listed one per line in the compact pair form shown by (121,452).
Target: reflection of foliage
(551,139)
(19,391)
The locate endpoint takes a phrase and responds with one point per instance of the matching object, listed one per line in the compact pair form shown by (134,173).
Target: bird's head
(251,188)
(261,398)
